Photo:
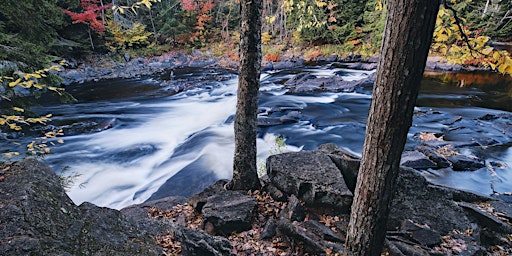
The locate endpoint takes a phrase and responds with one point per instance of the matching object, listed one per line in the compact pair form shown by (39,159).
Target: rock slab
(312,177)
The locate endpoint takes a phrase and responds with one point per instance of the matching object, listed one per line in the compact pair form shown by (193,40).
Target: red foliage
(90,15)
(188,5)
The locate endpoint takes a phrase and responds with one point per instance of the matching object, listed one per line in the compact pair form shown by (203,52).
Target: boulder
(346,162)
(416,199)
(311,176)
(38,218)
(229,211)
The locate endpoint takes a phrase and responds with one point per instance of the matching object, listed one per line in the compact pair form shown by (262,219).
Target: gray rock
(294,210)
(465,163)
(416,160)
(313,244)
(417,200)
(197,243)
(311,176)
(322,231)
(346,162)
(229,211)
(269,230)
(198,200)
(421,234)
(139,213)
(38,218)
(439,159)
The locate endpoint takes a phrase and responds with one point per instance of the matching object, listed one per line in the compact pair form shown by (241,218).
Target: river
(126,139)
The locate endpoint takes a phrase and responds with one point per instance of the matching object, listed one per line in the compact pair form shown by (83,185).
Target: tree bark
(245,176)
(407,37)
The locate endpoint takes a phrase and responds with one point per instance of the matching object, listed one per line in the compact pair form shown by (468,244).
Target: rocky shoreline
(97,68)
(303,209)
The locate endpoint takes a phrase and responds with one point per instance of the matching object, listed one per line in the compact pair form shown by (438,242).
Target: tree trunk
(405,46)
(245,176)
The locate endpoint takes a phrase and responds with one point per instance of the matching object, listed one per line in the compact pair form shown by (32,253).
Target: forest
(35,33)
(377,151)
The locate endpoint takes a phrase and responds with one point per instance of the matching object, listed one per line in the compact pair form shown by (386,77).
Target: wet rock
(452,120)
(439,159)
(311,176)
(486,141)
(488,117)
(38,218)
(421,234)
(197,243)
(300,79)
(465,163)
(416,160)
(229,211)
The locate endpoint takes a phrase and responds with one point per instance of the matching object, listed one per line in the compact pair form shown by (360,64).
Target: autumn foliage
(91,14)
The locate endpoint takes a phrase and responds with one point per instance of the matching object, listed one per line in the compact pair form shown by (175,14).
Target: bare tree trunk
(245,176)
(405,46)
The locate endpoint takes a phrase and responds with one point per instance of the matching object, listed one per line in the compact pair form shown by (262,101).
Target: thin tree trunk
(90,37)
(245,176)
(405,46)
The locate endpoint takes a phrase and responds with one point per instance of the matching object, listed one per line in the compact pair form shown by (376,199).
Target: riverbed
(128,140)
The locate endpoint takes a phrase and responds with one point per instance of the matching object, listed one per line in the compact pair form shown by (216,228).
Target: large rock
(38,218)
(228,212)
(311,176)
(426,204)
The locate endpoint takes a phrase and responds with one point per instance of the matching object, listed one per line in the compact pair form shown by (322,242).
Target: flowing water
(126,138)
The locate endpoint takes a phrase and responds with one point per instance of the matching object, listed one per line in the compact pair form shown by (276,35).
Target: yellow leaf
(502,68)
(487,50)
(18,109)
(60,141)
(12,84)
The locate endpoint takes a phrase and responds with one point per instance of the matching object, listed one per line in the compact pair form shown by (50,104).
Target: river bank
(96,68)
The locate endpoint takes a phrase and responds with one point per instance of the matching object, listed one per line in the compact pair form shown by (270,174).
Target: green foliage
(324,21)
(279,147)
(489,18)
(374,19)
(28,30)
(122,39)
(68,179)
